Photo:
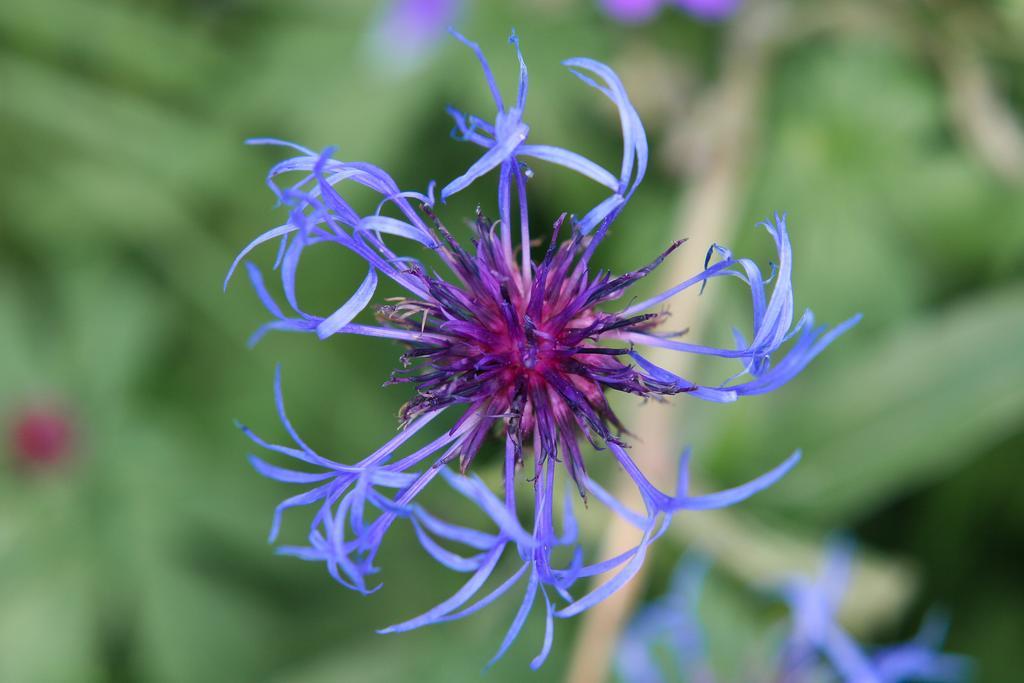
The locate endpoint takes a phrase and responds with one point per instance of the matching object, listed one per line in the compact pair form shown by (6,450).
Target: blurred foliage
(126,191)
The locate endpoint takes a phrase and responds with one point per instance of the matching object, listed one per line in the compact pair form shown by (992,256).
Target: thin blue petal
(740,493)
(572,161)
(285,475)
(491,159)
(350,309)
(517,623)
(460,597)
(393,226)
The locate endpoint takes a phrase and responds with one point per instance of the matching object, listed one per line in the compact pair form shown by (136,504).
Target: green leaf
(116,325)
(121,41)
(906,411)
(46,628)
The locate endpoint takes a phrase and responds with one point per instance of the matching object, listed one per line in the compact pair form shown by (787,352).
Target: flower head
(816,634)
(669,625)
(817,649)
(42,436)
(407,30)
(510,347)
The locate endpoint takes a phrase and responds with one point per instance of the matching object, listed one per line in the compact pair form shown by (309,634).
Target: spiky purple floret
(525,348)
(817,648)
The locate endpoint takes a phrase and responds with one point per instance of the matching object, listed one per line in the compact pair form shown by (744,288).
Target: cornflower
(514,346)
(816,649)
(405,32)
(816,634)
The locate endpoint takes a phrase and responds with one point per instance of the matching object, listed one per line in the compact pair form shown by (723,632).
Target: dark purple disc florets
(523,350)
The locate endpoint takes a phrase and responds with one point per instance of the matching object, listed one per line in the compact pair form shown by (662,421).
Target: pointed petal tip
(455,33)
(793,459)
(249,267)
(253,340)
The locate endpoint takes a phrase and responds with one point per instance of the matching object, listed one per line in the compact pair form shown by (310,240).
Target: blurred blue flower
(816,633)
(665,639)
(817,649)
(523,347)
(405,31)
(635,11)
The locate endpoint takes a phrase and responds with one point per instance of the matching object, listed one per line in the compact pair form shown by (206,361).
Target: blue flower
(519,350)
(406,31)
(505,142)
(817,649)
(817,634)
(665,639)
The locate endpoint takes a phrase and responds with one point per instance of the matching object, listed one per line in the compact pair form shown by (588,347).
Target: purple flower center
(525,352)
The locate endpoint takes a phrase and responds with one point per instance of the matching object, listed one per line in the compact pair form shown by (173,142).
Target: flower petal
(350,309)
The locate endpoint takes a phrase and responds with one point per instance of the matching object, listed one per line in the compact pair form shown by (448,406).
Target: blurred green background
(890,131)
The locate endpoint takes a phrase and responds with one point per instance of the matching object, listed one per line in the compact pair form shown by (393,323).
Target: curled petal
(634,138)
(467,128)
(721,499)
(572,161)
(475,490)
(488,75)
(279,143)
(285,475)
(549,634)
(350,309)
(461,596)
(442,555)
(279,231)
(503,149)
(489,598)
(393,226)
(517,623)
(606,589)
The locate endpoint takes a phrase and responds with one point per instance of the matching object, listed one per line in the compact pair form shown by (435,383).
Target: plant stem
(707,214)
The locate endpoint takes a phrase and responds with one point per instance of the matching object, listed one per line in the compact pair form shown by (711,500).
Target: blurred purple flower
(42,436)
(816,634)
(636,11)
(523,347)
(668,633)
(407,30)
(817,650)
